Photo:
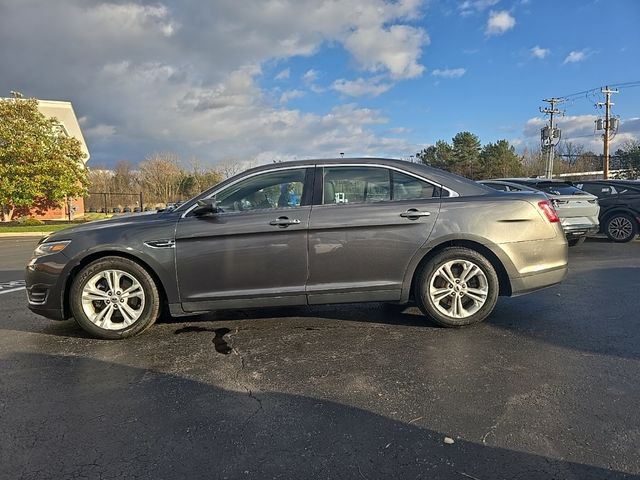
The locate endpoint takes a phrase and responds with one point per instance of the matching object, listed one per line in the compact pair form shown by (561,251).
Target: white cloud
(470,7)
(290,95)
(539,52)
(99,132)
(310,76)
(149,77)
(396,49)
(499,22)
(129,18)
(576,56)
(356,88)
(283,75)
(449,72)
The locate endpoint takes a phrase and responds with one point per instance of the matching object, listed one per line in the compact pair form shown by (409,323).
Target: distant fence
(596,175)
(115,202)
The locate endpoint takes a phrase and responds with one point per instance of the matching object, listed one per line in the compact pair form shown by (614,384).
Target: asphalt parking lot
(547,387)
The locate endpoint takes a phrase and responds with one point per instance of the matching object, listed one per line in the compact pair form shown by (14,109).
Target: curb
(24,234)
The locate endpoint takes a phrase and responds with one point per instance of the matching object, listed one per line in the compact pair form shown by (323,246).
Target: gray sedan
(305,233)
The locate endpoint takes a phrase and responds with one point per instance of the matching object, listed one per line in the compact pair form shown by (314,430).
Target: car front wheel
(457,287)
(114,298)
(621,228)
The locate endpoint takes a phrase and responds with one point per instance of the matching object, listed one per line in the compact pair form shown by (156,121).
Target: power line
(635,83)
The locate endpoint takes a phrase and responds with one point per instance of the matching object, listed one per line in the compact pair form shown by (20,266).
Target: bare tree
(534,161)
(230,167)
(160,176)
(569,151)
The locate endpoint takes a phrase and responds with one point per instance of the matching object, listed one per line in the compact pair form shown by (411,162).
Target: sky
(263,80)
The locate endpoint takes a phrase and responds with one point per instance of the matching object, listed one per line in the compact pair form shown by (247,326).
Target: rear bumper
(580,230)
(538,280)
(536,264)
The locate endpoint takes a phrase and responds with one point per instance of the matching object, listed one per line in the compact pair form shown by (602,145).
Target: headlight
(47,248)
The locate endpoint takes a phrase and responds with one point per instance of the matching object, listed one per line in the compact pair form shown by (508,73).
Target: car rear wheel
(457,287)
(113,298)
(621,228)
(576,241)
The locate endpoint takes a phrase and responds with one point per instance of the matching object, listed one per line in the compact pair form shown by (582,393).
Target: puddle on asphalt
(219,343)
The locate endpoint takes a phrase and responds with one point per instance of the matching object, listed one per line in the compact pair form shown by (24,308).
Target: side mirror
(207,206)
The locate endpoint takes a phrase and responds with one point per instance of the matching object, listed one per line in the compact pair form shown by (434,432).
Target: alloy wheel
(458,288)
(620,228)
(113,299)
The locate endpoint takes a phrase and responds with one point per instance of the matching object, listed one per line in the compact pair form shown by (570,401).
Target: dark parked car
(305,232)
(619,206)
(578,210)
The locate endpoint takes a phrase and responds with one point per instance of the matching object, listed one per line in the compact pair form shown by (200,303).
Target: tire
(104,313)
(621,228)
(442,299)
(576,241)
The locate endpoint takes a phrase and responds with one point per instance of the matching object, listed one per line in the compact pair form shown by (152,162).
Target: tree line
(466,156)
(160,178)
(40,166)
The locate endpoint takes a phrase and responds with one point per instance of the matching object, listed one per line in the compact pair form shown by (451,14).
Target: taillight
(549,211)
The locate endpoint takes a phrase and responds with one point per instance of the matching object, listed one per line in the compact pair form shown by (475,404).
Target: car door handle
(414,213)
(284,222)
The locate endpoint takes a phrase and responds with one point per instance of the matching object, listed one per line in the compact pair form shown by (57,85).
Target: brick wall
(60,213)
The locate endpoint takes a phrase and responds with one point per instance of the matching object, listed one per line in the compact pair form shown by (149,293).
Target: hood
(119,222)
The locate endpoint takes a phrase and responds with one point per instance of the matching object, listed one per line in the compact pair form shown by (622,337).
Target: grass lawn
(49,226)
(35,228)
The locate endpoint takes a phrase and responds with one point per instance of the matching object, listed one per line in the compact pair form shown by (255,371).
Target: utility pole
(550,135)
(609,124)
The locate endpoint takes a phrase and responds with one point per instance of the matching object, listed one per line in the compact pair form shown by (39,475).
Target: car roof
(535,181)
(633,183)
(461,185)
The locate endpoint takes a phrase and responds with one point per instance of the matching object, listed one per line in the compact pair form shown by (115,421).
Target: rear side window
(356,185)
(598,189)
(628,191)
(497,186)
(559,189)
(406,187)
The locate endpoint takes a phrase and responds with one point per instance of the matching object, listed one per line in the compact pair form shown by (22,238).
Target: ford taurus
(305,233)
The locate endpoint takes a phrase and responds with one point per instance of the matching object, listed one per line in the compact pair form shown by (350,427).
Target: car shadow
(604,322)
(73,417)
(383,313)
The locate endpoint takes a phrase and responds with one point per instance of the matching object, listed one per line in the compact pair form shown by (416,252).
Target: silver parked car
(578,210)
(305,232)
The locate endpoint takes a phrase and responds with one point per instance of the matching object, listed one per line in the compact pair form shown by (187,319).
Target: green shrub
(29,222)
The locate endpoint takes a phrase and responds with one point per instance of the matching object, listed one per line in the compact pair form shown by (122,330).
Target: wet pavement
(547,387)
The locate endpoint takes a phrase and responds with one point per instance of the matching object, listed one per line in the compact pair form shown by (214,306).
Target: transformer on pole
(550,135)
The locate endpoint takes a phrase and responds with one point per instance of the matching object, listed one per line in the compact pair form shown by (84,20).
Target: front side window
(349,185)
(281,189)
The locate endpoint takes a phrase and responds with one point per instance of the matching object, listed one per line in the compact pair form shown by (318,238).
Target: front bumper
(45,286)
